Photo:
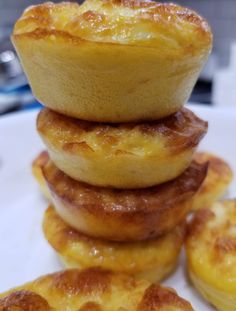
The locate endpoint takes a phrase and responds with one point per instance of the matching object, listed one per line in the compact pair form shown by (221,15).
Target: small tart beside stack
(211,254)
(216,183)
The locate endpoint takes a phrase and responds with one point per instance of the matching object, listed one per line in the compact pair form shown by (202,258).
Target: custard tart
(211,254)
(91,290)
(152,260)
(123,215)
(112,60)
(126,155)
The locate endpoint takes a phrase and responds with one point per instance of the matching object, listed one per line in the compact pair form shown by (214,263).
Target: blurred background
(216,85)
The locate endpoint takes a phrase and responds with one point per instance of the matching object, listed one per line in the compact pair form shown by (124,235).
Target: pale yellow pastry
(130,155)
(123,215)
(112,61)
(211,254)
(219,176)
(91,290)
(152,260)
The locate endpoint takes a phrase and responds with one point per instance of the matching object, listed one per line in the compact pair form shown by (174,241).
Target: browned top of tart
(91,290)
(22,300)
(176,133)
(115,201)
(169,27)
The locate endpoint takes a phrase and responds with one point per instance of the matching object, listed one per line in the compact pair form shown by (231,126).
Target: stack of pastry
(114,76)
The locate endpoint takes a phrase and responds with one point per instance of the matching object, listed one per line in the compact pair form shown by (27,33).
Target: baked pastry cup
(130,155)
(123,215)
(152,260)
(91,289)
(215,185)
(211,254)
(112,61)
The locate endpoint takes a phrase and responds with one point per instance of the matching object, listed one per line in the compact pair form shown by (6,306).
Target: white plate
(25,254)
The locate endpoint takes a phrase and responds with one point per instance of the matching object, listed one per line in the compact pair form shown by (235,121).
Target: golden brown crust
(218,168)
(215,224)
(93,290)
(211,253)
(123,156)
(219,175)
(216,182)
(226,244)
(147,259)
(24,301)
(181,131)
(199,221)
(37,166)
(86,282)
(124,214)
(105,201)
(41,160)
(126,22)
(156,298)
(91,306)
